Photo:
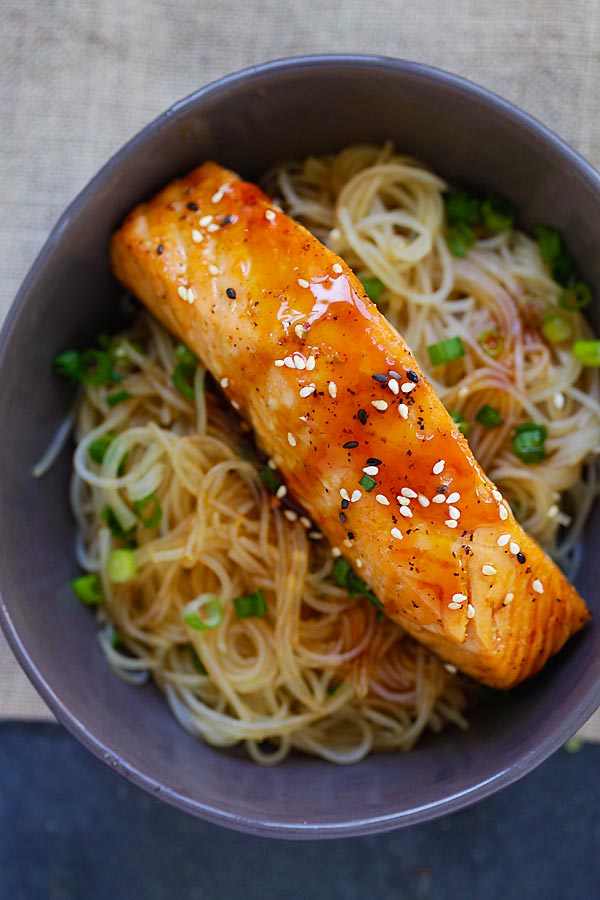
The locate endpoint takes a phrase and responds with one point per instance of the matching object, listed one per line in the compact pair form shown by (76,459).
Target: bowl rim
(525,760)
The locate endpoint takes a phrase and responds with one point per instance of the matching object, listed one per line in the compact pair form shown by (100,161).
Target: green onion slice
(119,397)
(183,379)
(116,529)
(550,243)
(98,448)
(148,510)
(197,662)
(528,442)
(344,575)
(462,208)
(270,479)
(576,296)
(587,352)
(204,613)
(69,365)
(121,566)
(251,605)
(88,589)
(184,355)
(491,342)
(374,288)
(498,213)
(97,367)
(563,270)
(446,351)
(367,482)
(489,417)
(461,423)
(556,328)
(459,238)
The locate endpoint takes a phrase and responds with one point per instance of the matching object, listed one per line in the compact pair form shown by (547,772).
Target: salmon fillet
(334,394)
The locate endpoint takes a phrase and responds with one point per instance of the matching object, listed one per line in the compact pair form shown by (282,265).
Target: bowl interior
(276,112)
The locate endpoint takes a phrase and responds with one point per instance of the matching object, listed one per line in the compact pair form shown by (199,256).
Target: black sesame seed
(350,445)
(345,504)
(412,376)
(342,517)
(441,489)
(225,221)
(372,461)
(521,558)
(193,206)
(160,249)
(395,375)
(362,417)
(231,293)
(382,379)
(350,535)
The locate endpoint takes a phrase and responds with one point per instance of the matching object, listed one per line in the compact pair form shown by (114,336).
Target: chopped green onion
(183,379)
(489,417)
(549,242)
(556,328)
(197,662)
(446,351)
(462,208)
(374,288)
(114,635)
(367,482)
(463,426)
(587,352)
(576,296)
(344,575)
(88,589)
(116,529)
(459,238)
(98,448)
(97,367)
(491,342)
(121,566)
(204,613)
(528,442)
(119,397)
(251,605)
(563,270)
(148,510)
(498,213)
(574,744)
(270,479)
(341,570)
(69,365)
(184,355)
(332,688)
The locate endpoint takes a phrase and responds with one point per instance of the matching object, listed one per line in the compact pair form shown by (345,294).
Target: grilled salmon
(337,400)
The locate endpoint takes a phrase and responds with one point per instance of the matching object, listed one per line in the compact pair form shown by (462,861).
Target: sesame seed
(521,558)
(224,382)
(337,268)
(381,498)
(270,215)
(197,236)
(205,220)
(350,445)
(509,597)
(302,282)
(450,668)
(396,533)
(503,513)
(345,504)
(405,511)
(453,512)
(538,586)
(191,295)
(279,363)
(559,400)
(454,497)
(289,362)
(438,498)
(213,227)
(182,291)
(380,377)
(362,416)
(497,495)
(344,494)
(395,375)
(310,363)
(373,461)
(290,515)
(217,197)
(459,598)
(347,542)
(470,611)
(281,491)
(553,511)
(403,410)
(503,540)
(514,547)
(379,404)
(451,523)
(403,501)
(160,249)
(423,500)
(407,387)
(454,606)
(235,404)
(342,516)
(393,386)
(358,563)
(408,492)
(213,270)
(356,495)
(439,467)
(412,376)
(308,390)
(305,521)
(488,570)
(299,361)
(291,439)
(300,330)
(193,206)
(371,470)
(335,234)
(231,293)
(336,552)
(272,464)
(332,389)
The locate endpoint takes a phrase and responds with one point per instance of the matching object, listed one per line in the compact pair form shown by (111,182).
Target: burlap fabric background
(78,78)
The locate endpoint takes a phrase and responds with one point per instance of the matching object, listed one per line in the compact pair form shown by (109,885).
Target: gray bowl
(249,121)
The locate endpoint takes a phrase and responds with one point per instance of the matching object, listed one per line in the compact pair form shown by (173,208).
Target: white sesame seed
(454,512)
(299,361)
(459,598)
(454,606)
(371,470)
(358,563)
(289,362)
(332,389)
(503,540)
(538,586)
(497,495)
(337,268)
(454,497)
(224,382)
(272,464)
(407,387)
(509,597)
(197,236)
(503,513)
(438,498)
(344,494)
(347,542)
(290,515)
(303,283)
(470,611)
(423,500)
(379,404)
(300,331)
(305,522)
(335,234)
(336,552)
(235,405)
(439,467)
(213,270)
(403,501)
(191,295)
(514,547)
(403,410)
(182,291)
(451,523)
(279,363)
(553,511)
(213,227)
(405,511)
(356,495)
(408,492)
(281,491)
(310,363)
(270,215)
(396,533)
(308,390)
(217,197)
(559,400)
(315,535)
(291,439)
(381,498)
(488,570)
(450,668)
(205,220)
(393,385)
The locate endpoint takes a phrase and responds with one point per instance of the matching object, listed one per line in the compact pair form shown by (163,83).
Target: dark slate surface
(72,830)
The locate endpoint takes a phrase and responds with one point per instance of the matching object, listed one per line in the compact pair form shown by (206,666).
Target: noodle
(320,672)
